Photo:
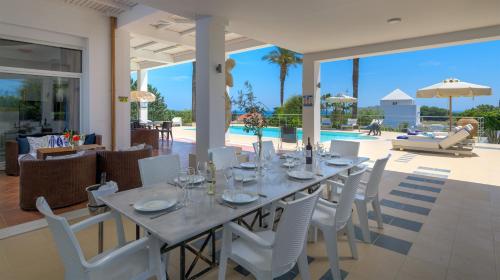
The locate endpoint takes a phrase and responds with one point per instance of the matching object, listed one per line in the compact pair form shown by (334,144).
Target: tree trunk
(193,93)
(355,81)
(282,84)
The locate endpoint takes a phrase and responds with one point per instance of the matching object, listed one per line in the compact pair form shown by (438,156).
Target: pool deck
(441,215)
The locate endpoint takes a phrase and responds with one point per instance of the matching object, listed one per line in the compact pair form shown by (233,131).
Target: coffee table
(42,153)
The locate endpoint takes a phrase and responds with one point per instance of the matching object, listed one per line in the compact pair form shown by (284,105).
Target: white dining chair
(268,254)
(344,148)
(368,192)
(139,259)
(159,169)
(267,148)
(332,218)
(223,157)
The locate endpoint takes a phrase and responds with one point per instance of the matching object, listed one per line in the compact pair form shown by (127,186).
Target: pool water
(274,132)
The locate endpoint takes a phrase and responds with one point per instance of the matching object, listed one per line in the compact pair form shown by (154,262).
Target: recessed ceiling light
(394,20)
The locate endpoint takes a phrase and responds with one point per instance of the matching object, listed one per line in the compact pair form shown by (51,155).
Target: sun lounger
(351,123)
(453,144)
(326,123)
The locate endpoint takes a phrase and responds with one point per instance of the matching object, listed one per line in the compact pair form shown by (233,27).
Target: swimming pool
(274,132)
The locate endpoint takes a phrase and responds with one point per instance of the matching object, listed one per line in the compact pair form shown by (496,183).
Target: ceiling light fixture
(394,20)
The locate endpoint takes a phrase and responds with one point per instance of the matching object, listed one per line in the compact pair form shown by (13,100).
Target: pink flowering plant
(253,119)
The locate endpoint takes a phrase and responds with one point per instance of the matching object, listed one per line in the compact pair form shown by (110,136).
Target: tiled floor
(444,224)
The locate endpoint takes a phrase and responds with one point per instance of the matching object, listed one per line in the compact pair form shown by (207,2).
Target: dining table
(203,214)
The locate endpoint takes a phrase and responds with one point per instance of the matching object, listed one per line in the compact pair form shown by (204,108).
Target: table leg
(182,259)
(137,232)
(100,237)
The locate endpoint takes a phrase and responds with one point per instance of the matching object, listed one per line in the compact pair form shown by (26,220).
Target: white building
(399,108)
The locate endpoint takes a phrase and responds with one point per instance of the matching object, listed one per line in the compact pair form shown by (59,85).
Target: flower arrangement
(72,138)
(254,120)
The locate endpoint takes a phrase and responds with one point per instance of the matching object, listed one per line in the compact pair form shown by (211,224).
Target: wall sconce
(218,68)
(318,85)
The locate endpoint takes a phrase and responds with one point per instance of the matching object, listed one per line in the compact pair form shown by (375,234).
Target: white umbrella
(450,88)
(341,98)
(141,96)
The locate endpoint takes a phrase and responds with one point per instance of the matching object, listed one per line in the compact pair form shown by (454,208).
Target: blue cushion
(402,137)
(24,145)
(89,139)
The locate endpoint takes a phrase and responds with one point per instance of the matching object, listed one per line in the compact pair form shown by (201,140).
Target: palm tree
(355,83)
(284,59)
(193,93)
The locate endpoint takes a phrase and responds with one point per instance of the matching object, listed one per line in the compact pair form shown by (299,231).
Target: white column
(122,84)
(311,117)
(142,85)
(210,85)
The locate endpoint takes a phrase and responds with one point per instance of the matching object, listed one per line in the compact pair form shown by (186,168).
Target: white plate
(249,165)
(289,164)
(339,161)
(153,204)
(245,178)
(301,174)
(239,197)
(197,179)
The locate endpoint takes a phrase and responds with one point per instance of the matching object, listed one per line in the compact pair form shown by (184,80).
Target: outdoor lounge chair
(453,144)
(177,121)
(351,123)
(326,123)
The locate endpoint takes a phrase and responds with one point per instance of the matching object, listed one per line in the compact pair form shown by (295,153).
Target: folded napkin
(107,189)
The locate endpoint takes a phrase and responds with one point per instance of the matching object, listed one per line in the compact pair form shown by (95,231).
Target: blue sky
(476,63)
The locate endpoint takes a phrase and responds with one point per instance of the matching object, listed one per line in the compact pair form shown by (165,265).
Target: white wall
(54,22)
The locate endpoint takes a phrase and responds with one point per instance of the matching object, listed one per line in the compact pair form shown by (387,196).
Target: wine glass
(182,182)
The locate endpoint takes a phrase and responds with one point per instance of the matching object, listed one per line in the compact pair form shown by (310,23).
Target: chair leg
(378,212)
(155,259)
(303,264)
(330,236)
(313,234)
(227,236)
(352,239)
(363,219)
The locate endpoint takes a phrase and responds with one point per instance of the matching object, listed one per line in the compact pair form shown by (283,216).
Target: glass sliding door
(39,90)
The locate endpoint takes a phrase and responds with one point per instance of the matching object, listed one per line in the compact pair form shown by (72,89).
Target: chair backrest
(223,157)
(454,139)
(288,134)
(159,169)
(166,125)
(292,231)
(267,147)
(66,242)
(344,148)
(375,176)
(346,198)
(352,121)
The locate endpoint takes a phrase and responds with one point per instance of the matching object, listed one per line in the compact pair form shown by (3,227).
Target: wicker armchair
(122,166)
(61,181)
(146,136)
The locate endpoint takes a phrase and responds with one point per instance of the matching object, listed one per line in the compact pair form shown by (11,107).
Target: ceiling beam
(142,46)
(113,4)
(150,56)
(166,48)
(188,31)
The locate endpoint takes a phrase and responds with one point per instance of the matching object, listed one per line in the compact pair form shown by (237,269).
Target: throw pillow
(89,139)
(24,145)
(37,143)
(134,148)
(57,141)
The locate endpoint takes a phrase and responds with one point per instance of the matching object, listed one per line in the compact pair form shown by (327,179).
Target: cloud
(179,78)
(430,63)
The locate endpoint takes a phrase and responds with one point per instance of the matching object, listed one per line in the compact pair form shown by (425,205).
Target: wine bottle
(309,155)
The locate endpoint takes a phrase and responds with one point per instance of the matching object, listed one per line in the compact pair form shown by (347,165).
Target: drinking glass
(183,182)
